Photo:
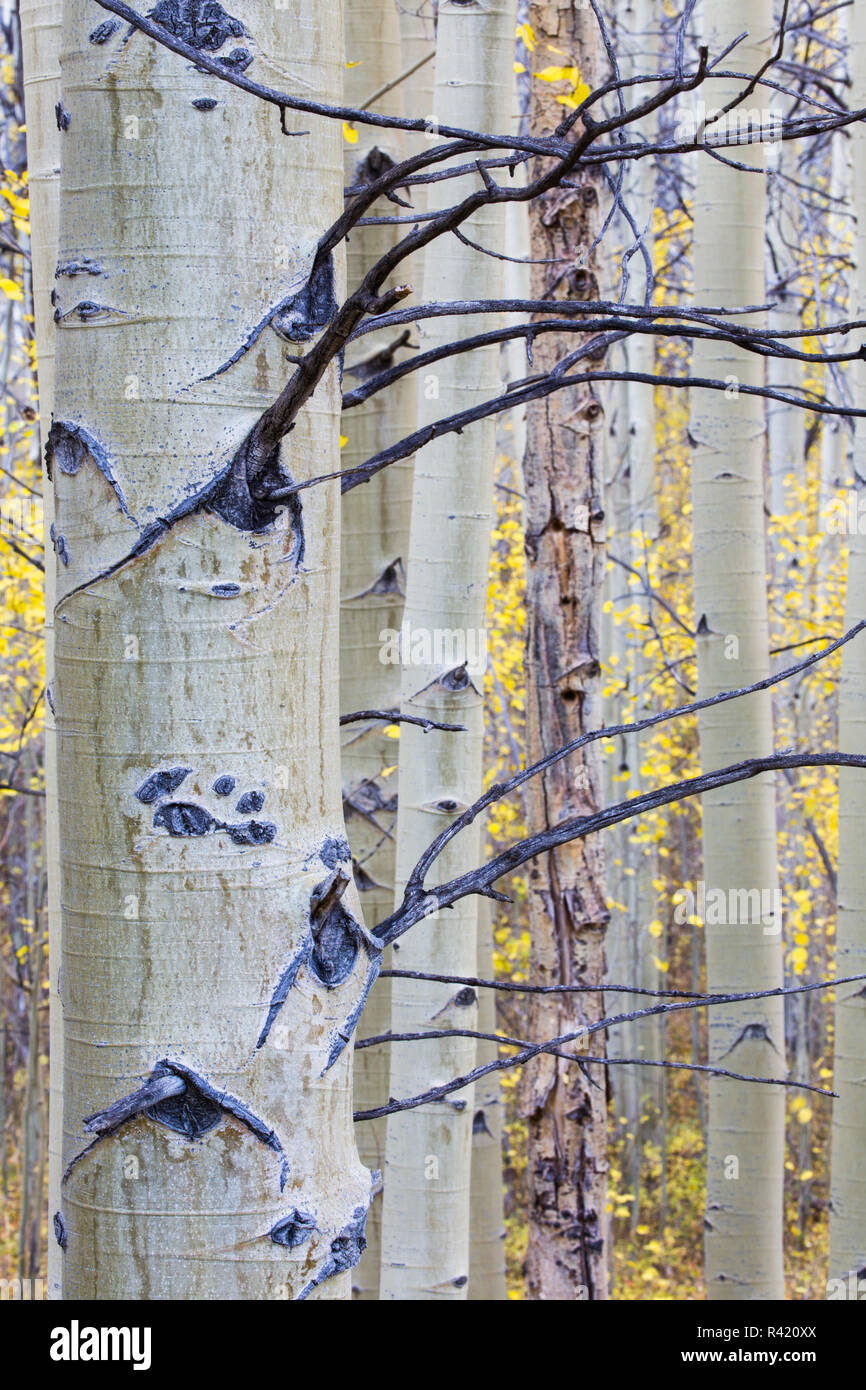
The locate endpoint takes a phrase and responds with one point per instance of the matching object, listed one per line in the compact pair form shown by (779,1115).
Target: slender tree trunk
(567,1256)
(209,973)
(486,1220)
(375,538)
(848,1190)
(620,776)
(487,1281)
(425,1223)
(40,42)
(745,1142)
(31,1194)
(636,536)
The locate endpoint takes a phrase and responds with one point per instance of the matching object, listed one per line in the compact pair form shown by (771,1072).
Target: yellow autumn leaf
(350,134)
(524,32)
(10,289)
(557,74)
(580,93)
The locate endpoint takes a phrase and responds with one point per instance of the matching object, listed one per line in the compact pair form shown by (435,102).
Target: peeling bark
(567,1256)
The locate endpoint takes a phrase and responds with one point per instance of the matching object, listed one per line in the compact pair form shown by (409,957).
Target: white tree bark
(375,540)
(196,677)
(425,1235)
(40,44)
(486,1219)
(848,1189)
(746,1123)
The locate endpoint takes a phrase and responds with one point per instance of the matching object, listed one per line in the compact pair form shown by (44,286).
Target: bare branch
(533,1050)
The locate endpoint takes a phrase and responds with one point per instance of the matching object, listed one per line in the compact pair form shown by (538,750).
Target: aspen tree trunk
(635,543)
(375,537)
(209,975)
(619,770)
(40,45)
(487,1282)
(640,357)
(567,1256)
(745,1143)
(425,1221)
(486,1223)
(417,38)
(836,438)
(848,1188)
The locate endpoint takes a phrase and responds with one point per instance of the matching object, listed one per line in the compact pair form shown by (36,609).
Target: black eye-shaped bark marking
(367,798)
(191,1113)
(193,1103)
(346,1250)
(60,1232)
(463,999)
(753,1032)
(334,851)
(335,948)
(240,497)
(162,783)
(69,446)
(391,581)
(62,116)
(83,267)
(87,310)
(250,802)
(293,1230)
(103,32)
(376,163)
(312,309)
(224,786)
(336,938)
(230,1104)
(330,948)
(255,832)
(205,103)
(226,590)
(59,543)
(184,818)
(202,24)
(238,60)
(458,679)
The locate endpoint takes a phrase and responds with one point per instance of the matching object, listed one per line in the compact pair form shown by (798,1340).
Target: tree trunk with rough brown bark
(567,1256)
